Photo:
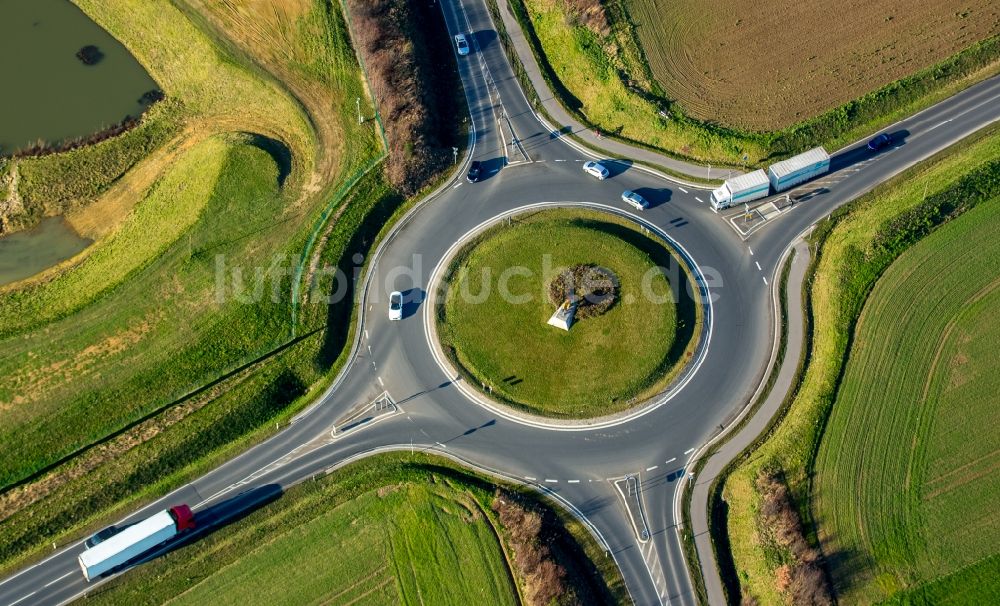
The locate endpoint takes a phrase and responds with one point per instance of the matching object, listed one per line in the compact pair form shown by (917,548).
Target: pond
(25,253)
(49,93)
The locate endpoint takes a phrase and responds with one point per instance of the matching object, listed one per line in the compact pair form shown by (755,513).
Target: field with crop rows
(766,65)
(846,267)
(906,483)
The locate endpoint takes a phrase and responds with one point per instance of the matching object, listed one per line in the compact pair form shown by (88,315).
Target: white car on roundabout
(396,305)
(596,169)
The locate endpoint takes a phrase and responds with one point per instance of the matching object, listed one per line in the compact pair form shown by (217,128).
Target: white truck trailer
(741,189)
(798,169)
(134,541)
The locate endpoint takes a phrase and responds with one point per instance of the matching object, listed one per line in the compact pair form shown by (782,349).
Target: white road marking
(689,451)
(765,279)
(19,600)
(380,382)
(758,266)
(551,481)
(938,124)
(699,199)
(560,160)
(440,444)
(682,189)
(573,481)
(671,460)
(456,186)
(60,578)
(530,478)
(652,468)
(751,250)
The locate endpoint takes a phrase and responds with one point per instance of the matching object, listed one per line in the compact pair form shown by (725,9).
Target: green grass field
(847,266)
(407,544)
(598,366)
(392,529)
(906,484)
(101,355)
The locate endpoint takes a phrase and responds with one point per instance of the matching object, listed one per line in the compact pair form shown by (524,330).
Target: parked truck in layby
(132,541)
(779,177)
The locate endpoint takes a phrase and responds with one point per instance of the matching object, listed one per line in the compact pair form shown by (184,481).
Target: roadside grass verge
(391,528)
(161,332)
(600,75)
(853,248)
(497,333)
(899,499)
(199,430)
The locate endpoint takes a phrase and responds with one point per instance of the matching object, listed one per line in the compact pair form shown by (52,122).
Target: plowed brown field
(766,64)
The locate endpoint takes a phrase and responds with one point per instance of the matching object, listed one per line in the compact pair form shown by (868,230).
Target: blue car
(880,142)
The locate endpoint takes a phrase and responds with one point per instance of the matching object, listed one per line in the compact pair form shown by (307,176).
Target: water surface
(46,92)
(25,253)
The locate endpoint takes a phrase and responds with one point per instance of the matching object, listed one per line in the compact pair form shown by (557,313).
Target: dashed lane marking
(652,468)
(699,199)
(50,583)
(751,250)
(682,189)
(671,460)
(551,481)
(560,160)
(765,279)
(573,481)
(19,600)
(530,479)
(758,266)
(456,186)
(689,451)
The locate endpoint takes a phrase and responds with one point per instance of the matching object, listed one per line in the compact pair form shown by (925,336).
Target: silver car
(635,200)
(596,169)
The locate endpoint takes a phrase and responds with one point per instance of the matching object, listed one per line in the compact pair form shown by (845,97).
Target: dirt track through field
(765,64)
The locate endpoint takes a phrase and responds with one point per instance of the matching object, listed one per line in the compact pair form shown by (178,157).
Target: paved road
(738,442)
(528,165)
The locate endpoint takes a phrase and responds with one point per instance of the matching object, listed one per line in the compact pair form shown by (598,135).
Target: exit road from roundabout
(578,465)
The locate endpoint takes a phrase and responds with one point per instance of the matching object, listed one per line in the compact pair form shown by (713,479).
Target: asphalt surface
(576,465)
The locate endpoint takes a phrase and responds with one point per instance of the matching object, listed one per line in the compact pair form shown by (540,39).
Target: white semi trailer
(798,169)
(135,540)
(743,188)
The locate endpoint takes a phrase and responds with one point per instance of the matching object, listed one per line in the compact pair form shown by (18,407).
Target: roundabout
(635,323)
(619,474)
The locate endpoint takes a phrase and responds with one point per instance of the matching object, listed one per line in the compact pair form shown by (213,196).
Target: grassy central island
(493,323)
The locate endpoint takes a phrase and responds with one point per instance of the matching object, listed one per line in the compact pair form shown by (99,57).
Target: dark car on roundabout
(475,171)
